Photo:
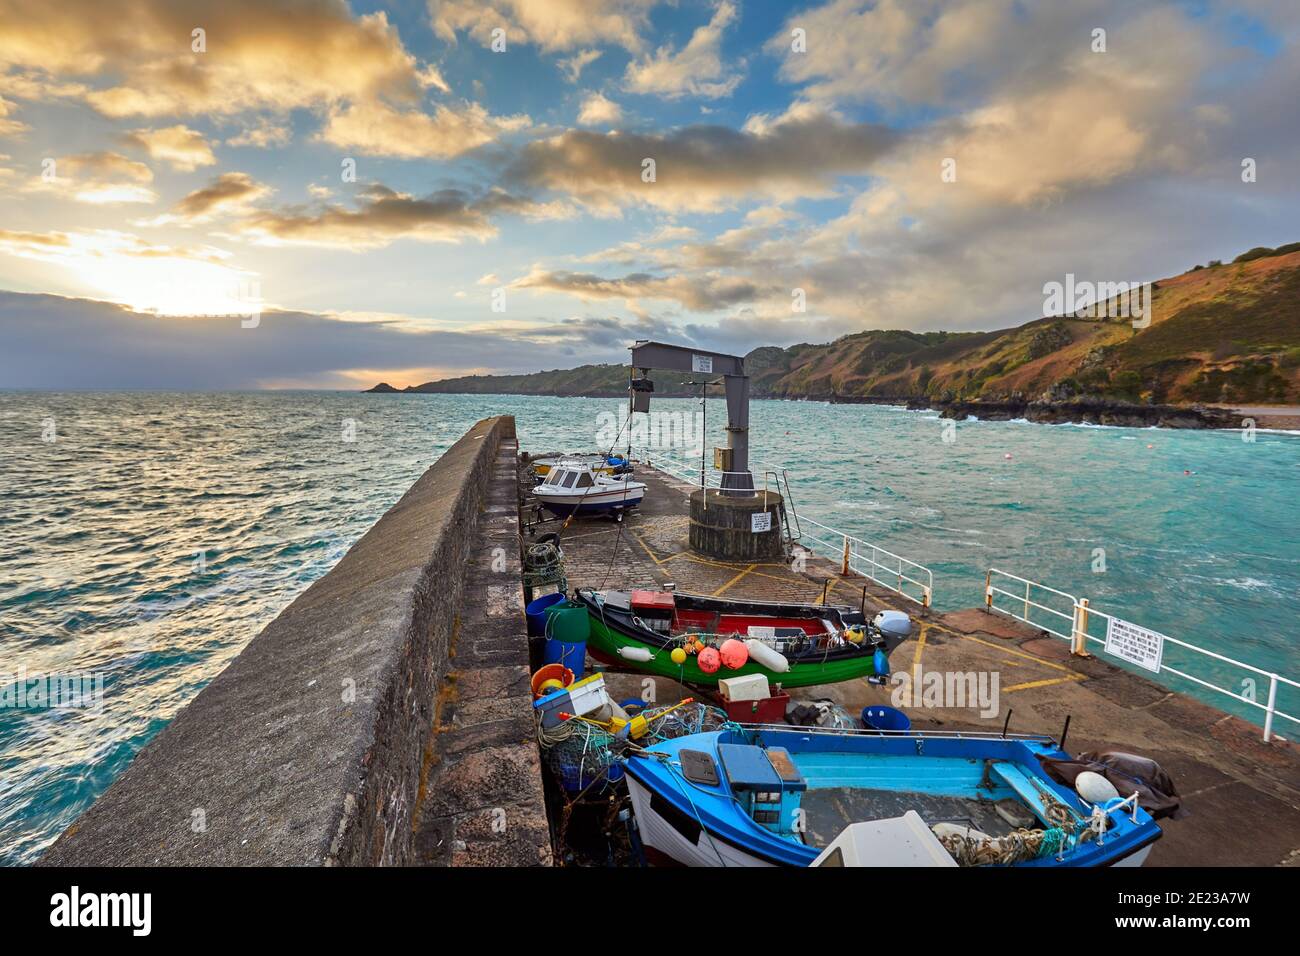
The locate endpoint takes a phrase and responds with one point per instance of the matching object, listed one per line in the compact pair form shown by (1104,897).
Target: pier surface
(1242,795)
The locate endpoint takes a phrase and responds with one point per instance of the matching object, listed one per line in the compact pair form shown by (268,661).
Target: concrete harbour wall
(310,748)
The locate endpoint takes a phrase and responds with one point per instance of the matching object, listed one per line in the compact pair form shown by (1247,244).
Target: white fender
(760,653)
(635,654)
(1094,788)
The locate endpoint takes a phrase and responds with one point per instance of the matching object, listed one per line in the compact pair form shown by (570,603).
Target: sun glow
(165,280)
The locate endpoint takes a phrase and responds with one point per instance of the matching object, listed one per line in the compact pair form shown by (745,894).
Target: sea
(145,538)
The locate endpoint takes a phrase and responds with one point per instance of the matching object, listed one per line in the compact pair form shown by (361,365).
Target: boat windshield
(584,480)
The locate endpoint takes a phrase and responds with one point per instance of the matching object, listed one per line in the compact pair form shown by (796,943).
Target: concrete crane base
(722,526)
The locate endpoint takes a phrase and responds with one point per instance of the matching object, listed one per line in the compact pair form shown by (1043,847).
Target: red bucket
(550,672)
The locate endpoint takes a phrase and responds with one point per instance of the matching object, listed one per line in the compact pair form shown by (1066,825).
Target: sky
(312,193)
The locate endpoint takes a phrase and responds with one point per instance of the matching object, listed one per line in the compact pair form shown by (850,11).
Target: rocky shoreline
(1079,411)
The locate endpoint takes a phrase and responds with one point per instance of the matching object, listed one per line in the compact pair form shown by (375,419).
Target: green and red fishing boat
(696,639)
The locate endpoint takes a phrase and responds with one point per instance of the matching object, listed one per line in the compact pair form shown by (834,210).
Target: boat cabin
(568,477)
(767,785)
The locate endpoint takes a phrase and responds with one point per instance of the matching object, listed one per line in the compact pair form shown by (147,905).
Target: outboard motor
(894,627)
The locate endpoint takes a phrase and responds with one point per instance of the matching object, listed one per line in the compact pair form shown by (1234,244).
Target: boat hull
(608,637)
(702,824)
(590,504)
(673,839)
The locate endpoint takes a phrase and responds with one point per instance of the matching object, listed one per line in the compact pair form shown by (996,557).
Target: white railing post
(1272,706)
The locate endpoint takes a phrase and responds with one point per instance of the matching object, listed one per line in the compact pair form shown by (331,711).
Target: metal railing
(1055,606)
(892,571)
(901,575)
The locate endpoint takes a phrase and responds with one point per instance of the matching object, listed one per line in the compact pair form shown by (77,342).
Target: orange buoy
(710,660)
(734,654)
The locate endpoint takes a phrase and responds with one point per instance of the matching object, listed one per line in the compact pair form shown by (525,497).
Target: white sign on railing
(702,363)
(1135,644)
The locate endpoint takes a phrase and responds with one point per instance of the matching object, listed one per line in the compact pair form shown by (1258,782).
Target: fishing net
(579,754)
(583,756)
(669,723)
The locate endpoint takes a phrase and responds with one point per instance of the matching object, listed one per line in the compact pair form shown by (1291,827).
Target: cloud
(695,70)
(384,216)
(706,293)
(913,50)
(573,66)
(54,342)
(260,54)
(10,127)
(263,135)
(181,147)
(702,168)
(101,178)
(597,110)
(380,130)
(145,275)
(550,24)
(228,193)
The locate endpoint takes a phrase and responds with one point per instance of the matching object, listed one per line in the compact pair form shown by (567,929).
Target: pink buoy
(709,660)
(1007,456)
(734,654)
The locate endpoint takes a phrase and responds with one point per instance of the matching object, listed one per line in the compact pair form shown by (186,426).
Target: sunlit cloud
(384,215)
(144,276)
(697,69)
(179,146)
(379,130)
(262,135)
(599,110)
(278,54)
(702,168)
(550,24)
(103,178)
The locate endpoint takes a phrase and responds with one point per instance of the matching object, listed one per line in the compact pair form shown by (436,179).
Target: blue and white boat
(575,487)
(772,795)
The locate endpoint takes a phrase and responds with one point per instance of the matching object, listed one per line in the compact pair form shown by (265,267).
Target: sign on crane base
(760,521)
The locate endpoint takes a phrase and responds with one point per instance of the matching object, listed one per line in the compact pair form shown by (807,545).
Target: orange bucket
(550,672)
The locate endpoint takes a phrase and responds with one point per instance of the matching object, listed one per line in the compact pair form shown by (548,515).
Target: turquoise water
(154,537)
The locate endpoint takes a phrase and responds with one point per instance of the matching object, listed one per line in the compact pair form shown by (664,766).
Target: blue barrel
(536,613)
(885,718)
(567,630)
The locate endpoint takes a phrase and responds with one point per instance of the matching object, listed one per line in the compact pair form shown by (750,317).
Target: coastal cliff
(1216,335)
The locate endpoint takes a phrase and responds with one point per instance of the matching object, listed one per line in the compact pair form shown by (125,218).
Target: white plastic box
(748,687)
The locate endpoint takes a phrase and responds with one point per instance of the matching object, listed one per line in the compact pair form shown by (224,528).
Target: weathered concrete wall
(308,748)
